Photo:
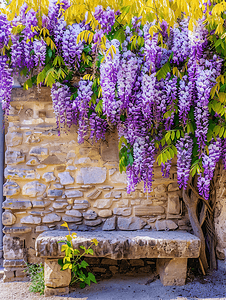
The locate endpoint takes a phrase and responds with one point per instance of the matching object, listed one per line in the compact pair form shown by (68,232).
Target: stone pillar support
(172,271)
(56,281)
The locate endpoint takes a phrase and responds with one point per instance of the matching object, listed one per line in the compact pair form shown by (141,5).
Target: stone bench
(171,248)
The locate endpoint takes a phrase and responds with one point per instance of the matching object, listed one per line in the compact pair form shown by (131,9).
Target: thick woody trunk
(191,203)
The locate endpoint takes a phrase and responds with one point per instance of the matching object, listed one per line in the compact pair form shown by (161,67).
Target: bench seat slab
(123,244)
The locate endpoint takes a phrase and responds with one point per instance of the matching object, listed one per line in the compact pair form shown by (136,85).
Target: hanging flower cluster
(158,85)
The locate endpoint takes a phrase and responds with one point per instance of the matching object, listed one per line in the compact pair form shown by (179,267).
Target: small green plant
(74,260)
(36,273)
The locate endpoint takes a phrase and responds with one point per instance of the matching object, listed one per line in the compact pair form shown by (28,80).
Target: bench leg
(172,271)
(56,281)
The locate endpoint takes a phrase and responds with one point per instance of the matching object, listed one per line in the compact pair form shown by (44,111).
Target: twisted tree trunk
(201,215)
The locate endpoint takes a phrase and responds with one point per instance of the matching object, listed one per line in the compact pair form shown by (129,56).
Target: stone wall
(51,179)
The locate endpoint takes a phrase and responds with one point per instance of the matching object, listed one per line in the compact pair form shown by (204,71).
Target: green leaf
(27,84)
(163,71)
(178,134)
(92,277)
(83,264)
(82,247)
(82,285)
(50,52)
(130,159)
(172,135)
(221,132)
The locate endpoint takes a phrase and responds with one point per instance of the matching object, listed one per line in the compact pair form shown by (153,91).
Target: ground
(210,287)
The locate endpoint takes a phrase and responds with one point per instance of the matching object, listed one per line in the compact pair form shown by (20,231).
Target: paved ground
(211,287)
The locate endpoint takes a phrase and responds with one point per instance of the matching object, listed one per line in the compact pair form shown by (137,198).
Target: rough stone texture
(81,204)
(73,194)
(109,224)
(133,223)
(93,222)
(94,195)
(40,152)
(66,178)
(70,219)
(165,225)
(14,139)
(8,218)
(59,205)
(33,189)
(56,292)
(103,203)
(118,177)
(149,210)
(16,204)
(54,277)
(124,245)
(31,220)
(123,211)
(92,175)
(50,218)
(13,248)
(73,213)
(172,271)
(105,213)
(49,176)
(11,188)
(33,162)
(173,203)
(90,215)
(14,157)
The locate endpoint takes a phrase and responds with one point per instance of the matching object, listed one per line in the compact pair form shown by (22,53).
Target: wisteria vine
(161,87)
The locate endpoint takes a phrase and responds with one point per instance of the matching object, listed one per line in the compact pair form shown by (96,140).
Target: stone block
(172,271)
(55,193)
(31,220)
(73,194)
(66,178)
(54,277)
(50,218)
(16,204)
(17,230)
(173,203)
(109,224)
(39,152)
(70,219)
(33,162)
(56,292)
(94,195)
(148,210)
(33,189)
(14,157)
(123,211)
(73,213)
(92,175)
(103,203)
(165,225)
(13,173)
(11,188)
(38,204)
(132,223)
(113,194)
(136,263)
(59,205)
(13,248)
(172,187)
(159,190)
(93,222)
(13,139)
(81,204)
(118,177)
(8,218)
(90,215)
(104,213)
(52,160)
(109,262)
(49,176)
(40,229)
